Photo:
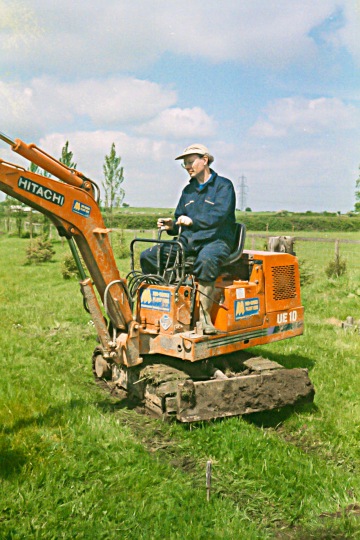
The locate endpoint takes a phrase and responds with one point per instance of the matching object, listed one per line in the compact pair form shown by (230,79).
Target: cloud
(294,177)
(143,106)
(33,106)
(297,115)
(255,32)
(312,176)
(68,73)
(302,154)
(348,34)
(18,25)
(180,124)
(265,129)
(107,102)
(144,185)
(86,37)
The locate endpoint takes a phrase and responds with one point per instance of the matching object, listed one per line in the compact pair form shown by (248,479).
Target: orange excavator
(151,344)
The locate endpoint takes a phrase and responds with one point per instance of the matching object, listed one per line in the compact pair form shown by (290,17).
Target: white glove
(165,223)
(184,220)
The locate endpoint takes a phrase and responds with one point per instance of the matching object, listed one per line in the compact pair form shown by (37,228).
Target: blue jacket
(212,210)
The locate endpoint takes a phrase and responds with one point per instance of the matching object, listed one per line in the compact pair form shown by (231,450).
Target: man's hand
(184,220)
(165,223)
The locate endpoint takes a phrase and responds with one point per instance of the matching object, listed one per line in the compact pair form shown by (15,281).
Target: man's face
(195,165)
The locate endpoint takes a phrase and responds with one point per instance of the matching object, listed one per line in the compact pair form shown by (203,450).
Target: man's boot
(206,292)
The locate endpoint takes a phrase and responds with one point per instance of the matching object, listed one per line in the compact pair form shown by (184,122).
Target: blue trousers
(208,258)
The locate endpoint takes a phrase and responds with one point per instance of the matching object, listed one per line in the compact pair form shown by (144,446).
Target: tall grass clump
(120,245)
(69,269)
(306,274)
(40,250)
(336,267)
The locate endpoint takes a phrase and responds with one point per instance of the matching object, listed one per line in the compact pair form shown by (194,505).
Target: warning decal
(155,299)
(81,208)
(246,308)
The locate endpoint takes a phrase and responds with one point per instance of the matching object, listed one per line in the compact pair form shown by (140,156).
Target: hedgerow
(254,222)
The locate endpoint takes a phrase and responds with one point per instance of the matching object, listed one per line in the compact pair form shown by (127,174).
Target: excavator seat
(239,243)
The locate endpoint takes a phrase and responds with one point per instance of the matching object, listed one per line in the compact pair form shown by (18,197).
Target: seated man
(206,215)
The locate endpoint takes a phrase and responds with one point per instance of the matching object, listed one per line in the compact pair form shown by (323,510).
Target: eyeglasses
(189,164)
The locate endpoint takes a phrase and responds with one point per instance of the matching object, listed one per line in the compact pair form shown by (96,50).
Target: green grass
(75,464)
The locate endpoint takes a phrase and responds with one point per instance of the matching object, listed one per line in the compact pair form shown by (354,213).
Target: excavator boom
(35,155)
(71,206)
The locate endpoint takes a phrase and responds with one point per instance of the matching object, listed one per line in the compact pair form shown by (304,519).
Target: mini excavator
(151,344)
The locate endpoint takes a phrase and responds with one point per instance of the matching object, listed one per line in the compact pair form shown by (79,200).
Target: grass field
(74,464)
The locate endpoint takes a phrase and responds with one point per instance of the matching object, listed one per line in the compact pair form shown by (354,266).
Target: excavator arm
(71,206)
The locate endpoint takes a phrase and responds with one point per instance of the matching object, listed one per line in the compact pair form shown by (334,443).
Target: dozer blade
(205,400)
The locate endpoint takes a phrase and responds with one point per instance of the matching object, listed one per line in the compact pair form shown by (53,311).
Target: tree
(67,156)
(33,168)
(36,169)
(357,194)
(114,177)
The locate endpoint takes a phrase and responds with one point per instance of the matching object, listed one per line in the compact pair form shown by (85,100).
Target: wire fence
(317,252)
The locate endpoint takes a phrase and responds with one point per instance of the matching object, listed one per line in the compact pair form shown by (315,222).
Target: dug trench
(154,434)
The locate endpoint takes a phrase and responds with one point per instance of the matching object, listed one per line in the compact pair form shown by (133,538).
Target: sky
(271,87)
